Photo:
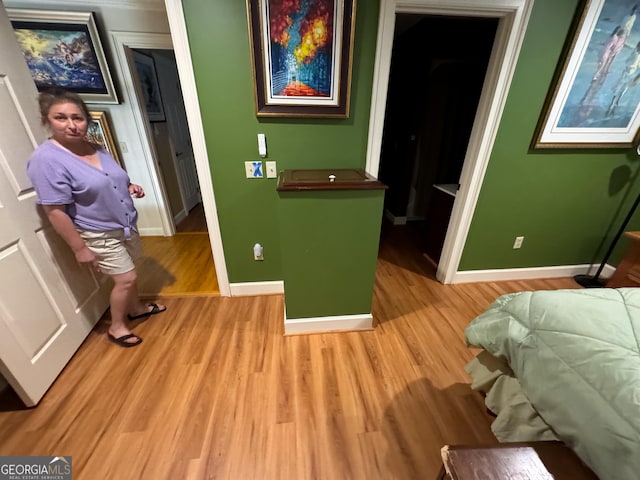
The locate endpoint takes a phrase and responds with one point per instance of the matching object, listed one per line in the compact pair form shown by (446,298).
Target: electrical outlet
(272,171)
(518,242)
(253,169)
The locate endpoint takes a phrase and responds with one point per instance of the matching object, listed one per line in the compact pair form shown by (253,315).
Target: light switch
(262,145)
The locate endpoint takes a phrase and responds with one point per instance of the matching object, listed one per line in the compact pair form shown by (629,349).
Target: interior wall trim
(243,289)
(122,41)
(393,219)
(504,274)
(339,323)
(513,17)
(182,53)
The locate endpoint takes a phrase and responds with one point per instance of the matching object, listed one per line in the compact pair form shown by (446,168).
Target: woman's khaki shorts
(115,254)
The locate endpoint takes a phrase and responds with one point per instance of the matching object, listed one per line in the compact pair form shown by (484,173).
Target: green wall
(325,273)
(562,201)
(248,209)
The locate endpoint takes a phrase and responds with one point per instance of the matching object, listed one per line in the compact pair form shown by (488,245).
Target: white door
(48,303)
(178,128)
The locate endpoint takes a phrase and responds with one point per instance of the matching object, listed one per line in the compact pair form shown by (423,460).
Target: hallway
(181,265)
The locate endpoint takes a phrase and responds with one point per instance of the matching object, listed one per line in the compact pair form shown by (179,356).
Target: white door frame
(180,46)
(513,17)
(122,42)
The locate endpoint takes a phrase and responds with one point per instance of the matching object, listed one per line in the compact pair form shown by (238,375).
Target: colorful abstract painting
(302,53)
(301,49)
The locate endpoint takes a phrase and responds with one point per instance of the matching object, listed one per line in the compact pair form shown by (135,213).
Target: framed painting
(595,100)
(301,54)
(99,133)
(63,49)
(146,68)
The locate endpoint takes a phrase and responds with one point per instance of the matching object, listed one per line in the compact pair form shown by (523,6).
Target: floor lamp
(593,281)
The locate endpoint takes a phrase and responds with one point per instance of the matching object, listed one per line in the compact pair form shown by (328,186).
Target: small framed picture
(99,133)
(146,68)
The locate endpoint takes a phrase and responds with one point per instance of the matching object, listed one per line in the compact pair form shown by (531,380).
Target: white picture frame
(595,99)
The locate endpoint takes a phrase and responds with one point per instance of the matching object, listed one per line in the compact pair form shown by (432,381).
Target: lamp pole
(589,281)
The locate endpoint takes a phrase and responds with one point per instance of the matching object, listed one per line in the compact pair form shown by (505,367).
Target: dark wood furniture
(327,179)
(627,273)
(532,460)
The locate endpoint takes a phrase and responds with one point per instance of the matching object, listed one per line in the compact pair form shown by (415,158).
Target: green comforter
(576,354)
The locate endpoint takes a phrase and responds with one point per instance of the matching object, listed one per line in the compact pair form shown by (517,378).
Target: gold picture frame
(100,133)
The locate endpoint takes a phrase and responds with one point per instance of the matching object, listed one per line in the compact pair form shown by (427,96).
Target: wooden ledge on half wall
(327,179)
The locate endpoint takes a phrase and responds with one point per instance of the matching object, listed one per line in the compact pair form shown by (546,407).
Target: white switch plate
(251,167)
(272,171)
(262,145)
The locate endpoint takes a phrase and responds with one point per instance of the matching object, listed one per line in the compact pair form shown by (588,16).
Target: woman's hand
(84,256)
(62,224)
(136,191)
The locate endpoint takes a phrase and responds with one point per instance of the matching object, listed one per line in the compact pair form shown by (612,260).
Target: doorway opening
(512,18)
(437,71)
(159,83)
(180,263)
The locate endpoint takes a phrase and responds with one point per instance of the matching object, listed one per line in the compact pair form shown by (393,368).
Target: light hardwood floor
(180,265)
(216,391)
(177,266)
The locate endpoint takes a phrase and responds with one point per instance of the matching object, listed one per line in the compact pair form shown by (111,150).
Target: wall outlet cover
(272,170)
(253,169)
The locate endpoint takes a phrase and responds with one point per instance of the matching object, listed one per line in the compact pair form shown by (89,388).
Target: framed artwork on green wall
(301,54)
(595,99)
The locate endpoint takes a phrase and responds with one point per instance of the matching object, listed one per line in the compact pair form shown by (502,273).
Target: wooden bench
(531,460)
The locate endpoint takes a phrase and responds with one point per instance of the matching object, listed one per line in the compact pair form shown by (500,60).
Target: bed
(564,364)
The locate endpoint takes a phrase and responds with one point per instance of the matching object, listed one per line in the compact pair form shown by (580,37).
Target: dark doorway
(437,73)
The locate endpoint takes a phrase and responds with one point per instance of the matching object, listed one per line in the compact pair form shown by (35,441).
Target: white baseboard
(244,289)
(180,216)
(340,323)
(151,232)
(395,220)
(529,273)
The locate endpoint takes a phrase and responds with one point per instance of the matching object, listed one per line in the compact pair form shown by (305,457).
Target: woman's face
(67,122)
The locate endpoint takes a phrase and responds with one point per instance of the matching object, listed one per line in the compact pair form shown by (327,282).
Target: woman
(87,198)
